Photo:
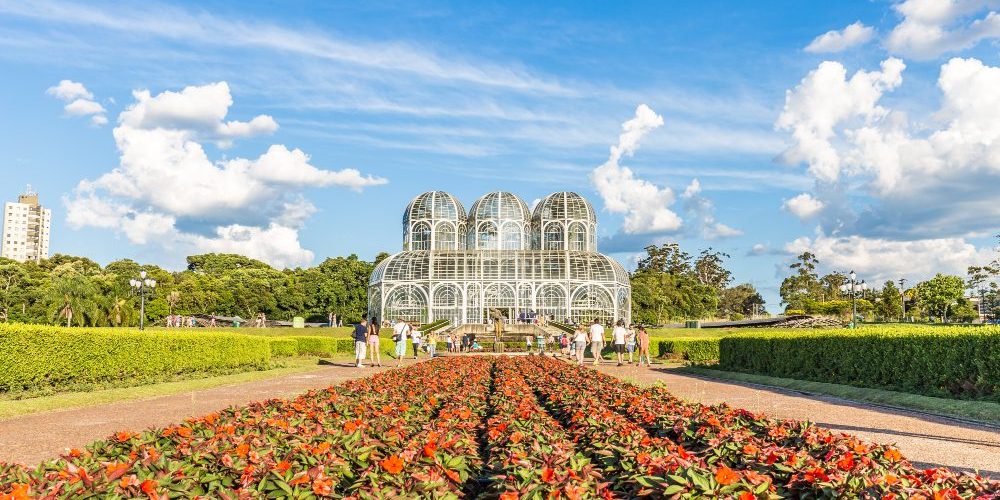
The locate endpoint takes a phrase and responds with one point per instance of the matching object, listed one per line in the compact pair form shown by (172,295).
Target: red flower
(392,465)
(746,495)
(429,449)
(816,474)
(509,495)
(149,488)
(726,476)
(847,463)
(282,466)
(322,486)
(548,474)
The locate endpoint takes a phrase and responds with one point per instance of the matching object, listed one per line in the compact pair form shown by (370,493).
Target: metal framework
(500,256)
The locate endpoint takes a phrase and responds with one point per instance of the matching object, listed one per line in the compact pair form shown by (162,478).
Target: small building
(499,256)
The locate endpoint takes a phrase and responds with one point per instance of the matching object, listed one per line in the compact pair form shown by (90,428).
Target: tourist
(400,331)
(360,341)
(432,340)
(564,344)
(597,342)
(451,342)
(541,344)
(417,338)
(630,344)
(643,340)
(528,341)
(373,343)
(476,346)
(618,338)
(580,343)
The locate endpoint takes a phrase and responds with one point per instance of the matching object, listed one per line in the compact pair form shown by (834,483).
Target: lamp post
(854,287)
(140,285)
(902,299)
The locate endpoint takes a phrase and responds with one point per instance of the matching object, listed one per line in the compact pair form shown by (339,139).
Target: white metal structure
(500,256)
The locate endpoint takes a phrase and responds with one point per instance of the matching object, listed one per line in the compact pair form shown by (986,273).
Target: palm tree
(172,299)
(72,296)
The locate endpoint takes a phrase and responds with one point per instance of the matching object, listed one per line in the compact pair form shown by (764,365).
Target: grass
(10,408)
(981,411)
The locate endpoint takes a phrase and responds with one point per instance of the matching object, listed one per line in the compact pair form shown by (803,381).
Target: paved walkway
(925,440)
(33,438)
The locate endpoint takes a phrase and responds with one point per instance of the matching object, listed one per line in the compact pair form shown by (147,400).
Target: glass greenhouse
(500,255)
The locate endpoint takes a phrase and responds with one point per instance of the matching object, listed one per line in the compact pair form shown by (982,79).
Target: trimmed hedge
(36,357)
(284,347)
(943,362)
(695,349)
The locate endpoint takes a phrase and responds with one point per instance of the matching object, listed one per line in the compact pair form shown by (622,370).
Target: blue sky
(887,171)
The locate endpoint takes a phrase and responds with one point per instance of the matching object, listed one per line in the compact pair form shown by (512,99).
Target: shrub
(936,361)
(45,358)
(695,349)
(284,347)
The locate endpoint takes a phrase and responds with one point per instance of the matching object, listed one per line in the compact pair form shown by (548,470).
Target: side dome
(434,220)
(499,221)
(564,221)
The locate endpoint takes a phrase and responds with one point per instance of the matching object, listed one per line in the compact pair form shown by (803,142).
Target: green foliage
(283,346)
(940,293)
(45,358)
(696,350)
(742,299)
(935,361)
(667,286)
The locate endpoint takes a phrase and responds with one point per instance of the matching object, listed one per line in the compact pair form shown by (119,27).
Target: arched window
(512,236)
(553,237)
(447,303)
(420,236)
(406,302)
(592,302)
(550,301)
(577,237)
(444,236)
(487,235)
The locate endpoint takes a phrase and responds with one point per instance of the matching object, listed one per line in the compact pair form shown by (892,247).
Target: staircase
(512,338)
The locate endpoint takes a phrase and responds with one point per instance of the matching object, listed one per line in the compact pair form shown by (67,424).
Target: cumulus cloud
(702,211)
(837,41)
(920,177)
(877,259)
(645,205)
(803,206)
(165,183)
(931,28)
(79,101)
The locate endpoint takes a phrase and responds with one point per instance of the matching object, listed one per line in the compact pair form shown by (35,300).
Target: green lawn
(10,408)
(982,411)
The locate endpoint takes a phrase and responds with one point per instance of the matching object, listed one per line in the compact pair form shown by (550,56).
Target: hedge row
(943,362)
(46,358)
(695,349)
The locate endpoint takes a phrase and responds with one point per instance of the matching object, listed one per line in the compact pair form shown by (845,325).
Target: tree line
(77,291)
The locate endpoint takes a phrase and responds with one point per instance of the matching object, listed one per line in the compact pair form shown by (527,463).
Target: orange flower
(129,480)
(301,478)
(350,426)
(20,492)
(282,466)
(429,449)
(392,465)
(892,455)
(75,453)
(509,495)
(454,476)
(847,463)
(891,479)
(516,437)
(322,486)
(548,474)
(746,495)
(123,436)
(184,431)
(149,488)
(321,448)
(642,458)
(242,450)
(726,476)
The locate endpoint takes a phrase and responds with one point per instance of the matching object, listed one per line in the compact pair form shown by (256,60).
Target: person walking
(630,343)
(360,341)
(400,332)
(417,339)
(374,347)
(541,344)
(643,340)
(432,340)
(618,338)
(580,343)
(597,341)
(528,341)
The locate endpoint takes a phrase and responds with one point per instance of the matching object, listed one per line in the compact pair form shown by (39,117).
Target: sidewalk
(36,437)
(926,441)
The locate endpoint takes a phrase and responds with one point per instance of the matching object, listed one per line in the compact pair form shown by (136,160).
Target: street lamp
(140,285)
(855,288)
(902,299)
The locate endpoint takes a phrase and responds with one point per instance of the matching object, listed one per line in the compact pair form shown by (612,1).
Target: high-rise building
(25,229)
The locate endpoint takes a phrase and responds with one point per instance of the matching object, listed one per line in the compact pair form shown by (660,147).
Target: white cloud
(165,181)
(822,101)
(877,260)
(68,90)
(79,101)
(645,205)
(803,206)
(931,28)
(837,41)
(701,211)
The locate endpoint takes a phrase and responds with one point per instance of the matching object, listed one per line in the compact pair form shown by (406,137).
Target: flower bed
(502,427)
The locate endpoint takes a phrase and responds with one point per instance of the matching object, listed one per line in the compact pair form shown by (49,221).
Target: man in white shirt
(596,341)
(618,338)
(399,332)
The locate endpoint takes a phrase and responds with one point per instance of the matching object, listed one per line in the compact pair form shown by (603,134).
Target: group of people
(178,321)
(624,340)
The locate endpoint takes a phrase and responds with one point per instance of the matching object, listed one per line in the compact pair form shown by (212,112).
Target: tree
(667,258)
(741,299)
(803,284)
(940,293)
(710,270)
(666,286)
(889,306)
(12,290)
(983,281)
(72,295)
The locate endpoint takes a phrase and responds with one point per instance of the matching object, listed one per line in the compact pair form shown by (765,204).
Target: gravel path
(33,438)
(926,441)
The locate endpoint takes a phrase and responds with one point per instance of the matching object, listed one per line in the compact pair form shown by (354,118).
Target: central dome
(499,221)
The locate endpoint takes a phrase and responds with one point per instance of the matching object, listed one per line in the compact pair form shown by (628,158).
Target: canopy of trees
(77,291)
(670,285)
